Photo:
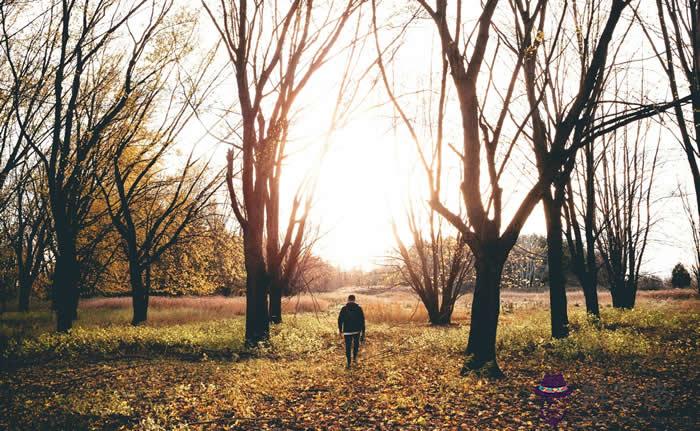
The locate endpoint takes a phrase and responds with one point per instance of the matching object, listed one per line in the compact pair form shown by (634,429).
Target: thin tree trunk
(485,310)
(590,280)
(590,294)
(584,260)
(555,253)
(446,306)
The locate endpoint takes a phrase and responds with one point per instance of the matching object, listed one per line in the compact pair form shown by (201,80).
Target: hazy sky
(371,171)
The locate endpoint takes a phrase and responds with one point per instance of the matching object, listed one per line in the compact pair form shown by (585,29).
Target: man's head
(351,298)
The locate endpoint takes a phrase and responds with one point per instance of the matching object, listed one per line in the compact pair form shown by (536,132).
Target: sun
(364,181)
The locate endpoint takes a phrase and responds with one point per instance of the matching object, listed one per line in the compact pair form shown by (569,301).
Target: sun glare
(363,182)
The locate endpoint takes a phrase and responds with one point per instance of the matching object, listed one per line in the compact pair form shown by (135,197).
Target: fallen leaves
(407,379)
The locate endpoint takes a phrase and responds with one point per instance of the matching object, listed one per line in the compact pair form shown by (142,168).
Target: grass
(637,370)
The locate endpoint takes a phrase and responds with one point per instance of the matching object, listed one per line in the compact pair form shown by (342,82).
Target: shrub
(650,282)
(680,277)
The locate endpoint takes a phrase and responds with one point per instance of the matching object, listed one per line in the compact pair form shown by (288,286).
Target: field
(188,370)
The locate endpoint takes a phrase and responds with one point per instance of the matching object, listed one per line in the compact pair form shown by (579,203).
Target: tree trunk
(590,294)
(25,288)
(257,328)
(66,289)
(555,254)
(485,310)
(624,293)
(257,320)
(441,318)
(615,294)
(275,302)
(590,280)
(139,295)
(631,294)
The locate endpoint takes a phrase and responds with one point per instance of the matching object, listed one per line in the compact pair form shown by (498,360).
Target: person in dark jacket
(351,325)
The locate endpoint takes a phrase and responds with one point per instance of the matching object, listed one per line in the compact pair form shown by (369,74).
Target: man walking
(351,325)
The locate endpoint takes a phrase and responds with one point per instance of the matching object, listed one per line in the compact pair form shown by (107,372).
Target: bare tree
(562,100)
(552,97)
(150,207)
(171,204)
(90,87)
(527,263)
(24,64)
(695,235)
(624,209)
(679,56)
(437,268)
(275,50)
(482,229)
(581,230)
(28,226)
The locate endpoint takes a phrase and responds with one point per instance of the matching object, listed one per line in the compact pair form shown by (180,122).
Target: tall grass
(168,311)
(524,322)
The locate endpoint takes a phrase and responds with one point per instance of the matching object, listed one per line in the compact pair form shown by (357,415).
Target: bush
(680,277)
(650,282)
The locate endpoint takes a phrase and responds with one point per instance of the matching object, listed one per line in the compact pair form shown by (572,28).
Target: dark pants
(352,342)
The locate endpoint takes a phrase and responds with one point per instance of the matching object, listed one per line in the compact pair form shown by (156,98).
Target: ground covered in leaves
(638,371)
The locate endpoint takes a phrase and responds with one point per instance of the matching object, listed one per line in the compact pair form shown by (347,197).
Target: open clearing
(638,371)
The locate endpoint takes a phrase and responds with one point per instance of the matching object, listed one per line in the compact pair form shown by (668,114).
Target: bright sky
(371,173)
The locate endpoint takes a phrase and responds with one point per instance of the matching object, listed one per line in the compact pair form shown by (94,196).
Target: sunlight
(364,180)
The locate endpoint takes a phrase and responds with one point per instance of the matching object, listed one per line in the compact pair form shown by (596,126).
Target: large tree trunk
(139,295)
(257,319)
(275,302)
(437,315)
(555,254)
(624,293)
(66,288)
(257,326)
(25,288)
(441,318)
(486,305)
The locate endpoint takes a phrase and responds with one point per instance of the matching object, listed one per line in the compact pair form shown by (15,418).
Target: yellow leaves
(407,378)
(539,38)
(532,49)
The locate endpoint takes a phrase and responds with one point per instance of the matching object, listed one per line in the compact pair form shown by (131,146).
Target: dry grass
(169,311)
(389,305)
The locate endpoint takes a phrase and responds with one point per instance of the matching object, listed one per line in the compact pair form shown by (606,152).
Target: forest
(195,197)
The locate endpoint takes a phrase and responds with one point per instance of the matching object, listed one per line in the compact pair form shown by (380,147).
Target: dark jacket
(351,318)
